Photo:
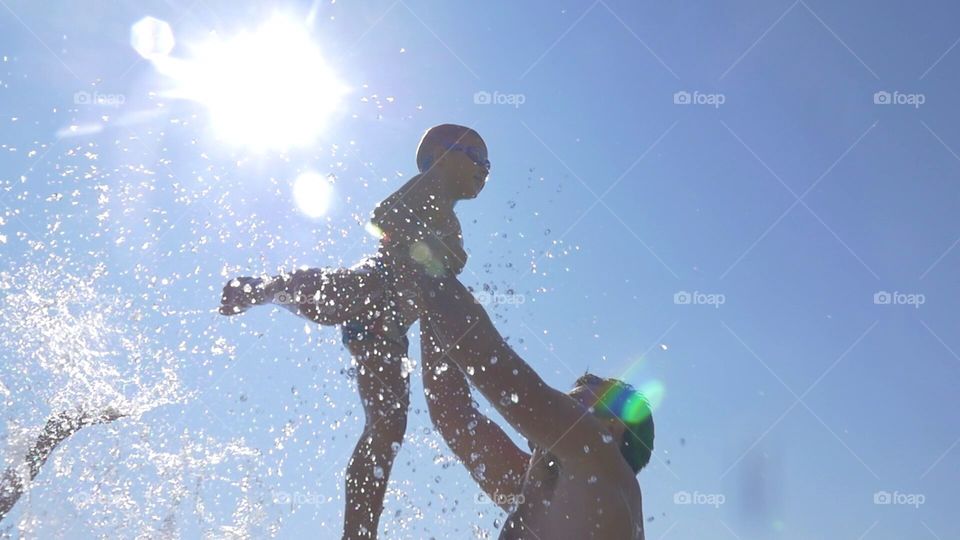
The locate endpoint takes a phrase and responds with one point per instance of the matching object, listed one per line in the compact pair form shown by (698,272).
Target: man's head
(457,156)
(625,412)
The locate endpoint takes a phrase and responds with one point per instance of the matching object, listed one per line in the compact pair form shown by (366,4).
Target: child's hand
(240,294)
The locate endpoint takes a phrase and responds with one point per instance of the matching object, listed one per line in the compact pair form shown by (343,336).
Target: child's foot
(240,294)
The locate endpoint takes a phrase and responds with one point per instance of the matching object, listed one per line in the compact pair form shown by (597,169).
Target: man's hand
(240,294)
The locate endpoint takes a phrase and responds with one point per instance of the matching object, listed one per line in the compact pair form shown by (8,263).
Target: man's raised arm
(494,462)
(547,417)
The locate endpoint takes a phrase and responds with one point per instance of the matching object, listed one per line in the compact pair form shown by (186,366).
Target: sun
(266,89)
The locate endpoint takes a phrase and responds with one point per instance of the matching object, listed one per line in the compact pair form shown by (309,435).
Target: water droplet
(406,367)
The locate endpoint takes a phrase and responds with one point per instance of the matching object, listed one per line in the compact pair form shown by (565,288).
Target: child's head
(457,156)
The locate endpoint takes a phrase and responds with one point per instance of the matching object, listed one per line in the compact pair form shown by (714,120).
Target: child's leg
(328,296)
(385,394)
(331,296)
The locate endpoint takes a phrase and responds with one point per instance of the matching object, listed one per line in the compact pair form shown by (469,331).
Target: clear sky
(710,200)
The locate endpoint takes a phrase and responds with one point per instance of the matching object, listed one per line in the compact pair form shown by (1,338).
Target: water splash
(74,345)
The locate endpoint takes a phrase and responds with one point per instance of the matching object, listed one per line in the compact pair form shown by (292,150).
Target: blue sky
(780,204)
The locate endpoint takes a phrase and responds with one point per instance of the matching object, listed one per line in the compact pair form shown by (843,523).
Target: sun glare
(267,89)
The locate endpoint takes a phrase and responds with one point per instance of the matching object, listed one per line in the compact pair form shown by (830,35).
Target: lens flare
(151,38)
(424,256)
(312,193)
(628,405)
(373,230)
(633,406)
(654,391)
